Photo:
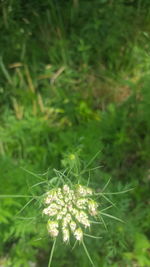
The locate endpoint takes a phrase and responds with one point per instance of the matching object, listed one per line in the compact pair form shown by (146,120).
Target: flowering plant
(69,210)
(69,206)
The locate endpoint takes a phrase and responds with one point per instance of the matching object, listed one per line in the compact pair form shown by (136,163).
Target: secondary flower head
(69,211)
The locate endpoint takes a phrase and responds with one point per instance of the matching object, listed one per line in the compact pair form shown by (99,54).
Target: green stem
(87,253)
(51,254)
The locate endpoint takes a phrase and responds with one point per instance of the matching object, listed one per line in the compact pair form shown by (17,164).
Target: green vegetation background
(75,79)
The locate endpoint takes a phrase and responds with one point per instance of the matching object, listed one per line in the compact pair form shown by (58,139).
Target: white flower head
(69,211)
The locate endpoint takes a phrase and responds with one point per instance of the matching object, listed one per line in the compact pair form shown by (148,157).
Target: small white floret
(89,191)
(68,218)
(66,189)
(52,228)
(92,205)
(64,210)
(59,216)
(81,203)
(66,236)
(72,226)
(78,234)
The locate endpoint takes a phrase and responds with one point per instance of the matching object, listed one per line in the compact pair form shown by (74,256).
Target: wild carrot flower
(69,211)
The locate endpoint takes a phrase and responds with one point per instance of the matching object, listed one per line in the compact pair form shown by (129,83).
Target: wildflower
(68,208)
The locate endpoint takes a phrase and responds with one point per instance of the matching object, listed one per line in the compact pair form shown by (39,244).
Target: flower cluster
(69,211)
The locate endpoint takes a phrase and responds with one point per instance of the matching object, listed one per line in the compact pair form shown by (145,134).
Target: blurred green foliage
(75,81)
